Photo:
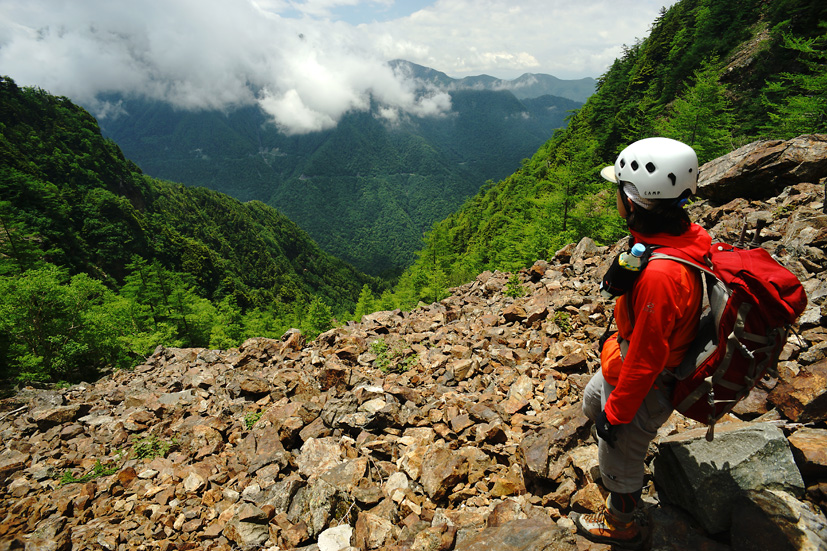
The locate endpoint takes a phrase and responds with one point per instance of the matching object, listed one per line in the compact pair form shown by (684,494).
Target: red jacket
(665,305)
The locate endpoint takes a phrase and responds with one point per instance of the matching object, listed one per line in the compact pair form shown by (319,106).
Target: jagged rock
(51,535)
(804,397)
(372,531)
(281,494)
(540,452)
(336,538)
(706,477)
(537,271)
(12,461)
(317,504)
(771,519)
(521,535)
(345,477)
(809,446)
(764,168)
(318,456)
(49,418)
(514,313)
(442,469)
(246,534)
(435,538)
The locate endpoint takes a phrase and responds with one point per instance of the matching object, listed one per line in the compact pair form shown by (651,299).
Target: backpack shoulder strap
(677,255)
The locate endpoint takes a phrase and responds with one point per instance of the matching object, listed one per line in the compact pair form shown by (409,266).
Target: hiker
(628,398)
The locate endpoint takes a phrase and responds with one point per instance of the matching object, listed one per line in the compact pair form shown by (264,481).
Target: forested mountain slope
(84,233)
(365,190)
(716,74)
(527,86)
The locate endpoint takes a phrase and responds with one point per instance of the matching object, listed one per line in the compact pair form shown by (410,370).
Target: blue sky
(368,13)
(305,62)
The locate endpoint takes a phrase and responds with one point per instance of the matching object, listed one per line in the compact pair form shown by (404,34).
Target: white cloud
(506,38)
(305,68)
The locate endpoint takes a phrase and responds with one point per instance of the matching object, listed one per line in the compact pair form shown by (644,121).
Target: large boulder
(763,168)
(706,478)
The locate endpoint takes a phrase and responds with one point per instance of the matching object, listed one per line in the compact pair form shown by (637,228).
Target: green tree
(702,115)
(318,319)
(268,323)
(366,303)
(386,301)
(797,101)
(18,251)
(227,325)
(57,328)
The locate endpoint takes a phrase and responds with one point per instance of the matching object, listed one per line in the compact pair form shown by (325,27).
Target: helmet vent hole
(635,166)
(650,168)
(672,178)
(622,163)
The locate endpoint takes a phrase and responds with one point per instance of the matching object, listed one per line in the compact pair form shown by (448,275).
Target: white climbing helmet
(660,168)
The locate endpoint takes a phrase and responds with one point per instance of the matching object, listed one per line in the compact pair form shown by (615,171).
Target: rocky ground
(453,426)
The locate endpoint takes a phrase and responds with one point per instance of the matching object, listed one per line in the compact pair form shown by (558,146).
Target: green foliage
(251,419)
(380,348)
(319,318)
(56,327)
(98,470)
(702,116)
(365,304)
(797,101)
(152,447)
(100,264)
(562,320)
(396,359)
(514,288)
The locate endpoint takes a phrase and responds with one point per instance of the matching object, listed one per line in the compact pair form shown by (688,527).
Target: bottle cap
(638,249)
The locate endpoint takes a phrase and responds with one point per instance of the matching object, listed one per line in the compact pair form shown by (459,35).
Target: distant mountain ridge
(366,190)
(526,86)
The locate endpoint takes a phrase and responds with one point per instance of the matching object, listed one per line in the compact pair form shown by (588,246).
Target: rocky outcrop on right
(763,169)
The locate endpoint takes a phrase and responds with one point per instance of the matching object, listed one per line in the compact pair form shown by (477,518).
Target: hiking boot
(603,527)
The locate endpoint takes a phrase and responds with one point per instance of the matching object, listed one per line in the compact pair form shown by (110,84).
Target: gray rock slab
(706,478)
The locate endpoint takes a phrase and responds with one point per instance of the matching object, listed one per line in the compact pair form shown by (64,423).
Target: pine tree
(365,305)
(702,116)
(318,319)
(797,102)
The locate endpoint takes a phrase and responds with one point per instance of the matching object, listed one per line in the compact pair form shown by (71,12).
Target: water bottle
(632,261)
(623,272)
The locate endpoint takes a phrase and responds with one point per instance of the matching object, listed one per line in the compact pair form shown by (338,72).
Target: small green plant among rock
(251,419)
(514,288)
(391,359)
(153,447)
(563,320)
(380,348)
(99,469)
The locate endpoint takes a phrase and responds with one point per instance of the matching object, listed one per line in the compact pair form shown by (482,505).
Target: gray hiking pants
(622,467)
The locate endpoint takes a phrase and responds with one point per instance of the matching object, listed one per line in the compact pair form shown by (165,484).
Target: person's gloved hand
(606,430)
